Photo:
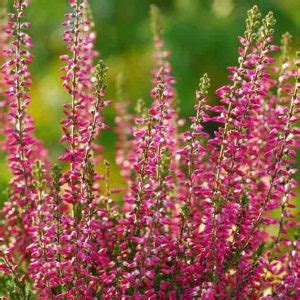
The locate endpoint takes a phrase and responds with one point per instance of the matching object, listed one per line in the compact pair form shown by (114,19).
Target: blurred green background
(202,35)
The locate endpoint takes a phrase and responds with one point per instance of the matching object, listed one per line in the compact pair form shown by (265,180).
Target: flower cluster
(20,144)
(202,217)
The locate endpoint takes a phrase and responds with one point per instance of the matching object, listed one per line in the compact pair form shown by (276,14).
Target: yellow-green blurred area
(202,35)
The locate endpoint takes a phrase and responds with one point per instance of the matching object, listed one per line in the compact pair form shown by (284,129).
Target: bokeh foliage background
(202,35)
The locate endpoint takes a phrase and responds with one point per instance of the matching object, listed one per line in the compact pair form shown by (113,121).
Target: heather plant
(202,216)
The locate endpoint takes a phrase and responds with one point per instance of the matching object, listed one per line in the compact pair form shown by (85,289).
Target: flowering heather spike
(228,93)
(82,115)
(87,55)
(40,247)
(279,171)
(192,154)
(252,23)
(243,97)
(162,73)
(20,144)
(155,134)
(97,106)
(3,41)
(81,125)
